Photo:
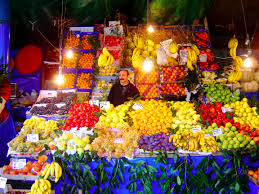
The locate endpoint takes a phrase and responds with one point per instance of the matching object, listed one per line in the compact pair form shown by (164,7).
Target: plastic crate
(65,86)
(69,70)
(82,39)
(249,95)
(69,63)
(72,43)
(82,52)
(90,83)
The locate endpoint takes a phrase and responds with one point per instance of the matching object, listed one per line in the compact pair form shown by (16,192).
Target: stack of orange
(144,77)
(146,92)
(69,63)
(85,43)
(69,81)
(84,81)
(72,41)
(86,61)
(254,174)
(155,117)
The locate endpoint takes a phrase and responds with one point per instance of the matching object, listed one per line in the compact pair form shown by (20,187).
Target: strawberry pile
(81,115)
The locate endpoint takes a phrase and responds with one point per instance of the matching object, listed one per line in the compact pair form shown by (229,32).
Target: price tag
(226,109)
(105,104)
(19,163)
(196,129)
(33,137)
(203,58)
(114,23)
(3,182)
(94,102)
(207,135)
(137,106)
(183,56)
(217,132)
(118,141)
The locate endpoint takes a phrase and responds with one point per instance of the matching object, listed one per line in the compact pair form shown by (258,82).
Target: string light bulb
(69,54)
(60,79)
(248,62)
(148,65)
(150,29)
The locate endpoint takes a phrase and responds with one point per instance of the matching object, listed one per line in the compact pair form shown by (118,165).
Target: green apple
(228,124)
(226,129)
(231,142)
(80,150)
(224,146)
(233,128)
(241,145)
(240,139)
(214,125)
(236,146)
(252,143)
(230,146)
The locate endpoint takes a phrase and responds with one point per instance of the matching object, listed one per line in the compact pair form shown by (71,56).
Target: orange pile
(254,174)
(144,77)
(151,93)
(84,81)
(72,41)
(69,63)
(85,43)
(69,81)
(86,61)
(155,117)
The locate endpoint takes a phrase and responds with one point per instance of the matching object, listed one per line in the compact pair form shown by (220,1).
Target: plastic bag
(161,57)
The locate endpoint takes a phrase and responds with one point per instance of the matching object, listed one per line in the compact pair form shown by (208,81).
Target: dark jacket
(120,94)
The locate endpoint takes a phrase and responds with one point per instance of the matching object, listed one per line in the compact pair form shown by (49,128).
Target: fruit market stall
(149,144)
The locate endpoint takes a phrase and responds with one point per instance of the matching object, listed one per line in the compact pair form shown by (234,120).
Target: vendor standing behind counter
(122,91)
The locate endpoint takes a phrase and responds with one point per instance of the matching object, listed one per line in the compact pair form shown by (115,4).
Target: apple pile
(173,73)
(111,40)
(115,54)
(81,115)
(201,38)
(212,113)
(218,93)
(158,141)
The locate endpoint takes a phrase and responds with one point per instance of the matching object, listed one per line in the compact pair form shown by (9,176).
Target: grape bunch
(50,109)
(158,141)
(67,98)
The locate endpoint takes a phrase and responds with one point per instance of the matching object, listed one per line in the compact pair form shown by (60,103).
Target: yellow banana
(233,42)
(36,184)
(195,48)
(52,168)
(47,183)
(33,188)
(47,174)
(106,52)
(239,61)
(45,169)
(232,52)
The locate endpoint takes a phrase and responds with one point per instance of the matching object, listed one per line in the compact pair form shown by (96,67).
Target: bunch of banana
(51,169)
(194,141)
(235,74)
(192,57)
(137,58)
(41,186)
(105,59)
(232,45)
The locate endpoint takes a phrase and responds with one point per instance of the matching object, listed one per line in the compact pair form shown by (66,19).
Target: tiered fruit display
(54,170)
(110,40)
(232,139)
(219,93)
(146,77)
(86,61)
(85,43)
(118,142)
(72,41)
(212,113)
(105,59)
(190,141)
(41,186)
(69,62)
(155,117)
(114,116)
(185,117)
(72,143)
(148,90)
(173,73)
(69,81)
(35,125)
(31,168)
(202,38)
(104,84)
(158,141)
(109,70)
(84,81)
(81,116)
(244,114)
(176,89)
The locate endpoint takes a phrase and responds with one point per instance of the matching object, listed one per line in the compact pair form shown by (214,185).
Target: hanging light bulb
(147,65)
(69,54)
(60,79)
(150,29)
(248,62)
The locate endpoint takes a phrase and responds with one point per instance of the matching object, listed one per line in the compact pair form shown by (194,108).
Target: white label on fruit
(18,163)
(33,137)
(118,141)
(105,104)
(207,135)
(183,56)
(3,182)
(217,132)
(137,106)
(196,129)
(226,109)
(94,102)
(203,58)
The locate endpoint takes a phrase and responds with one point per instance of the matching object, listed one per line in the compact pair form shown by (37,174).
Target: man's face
(123,77)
